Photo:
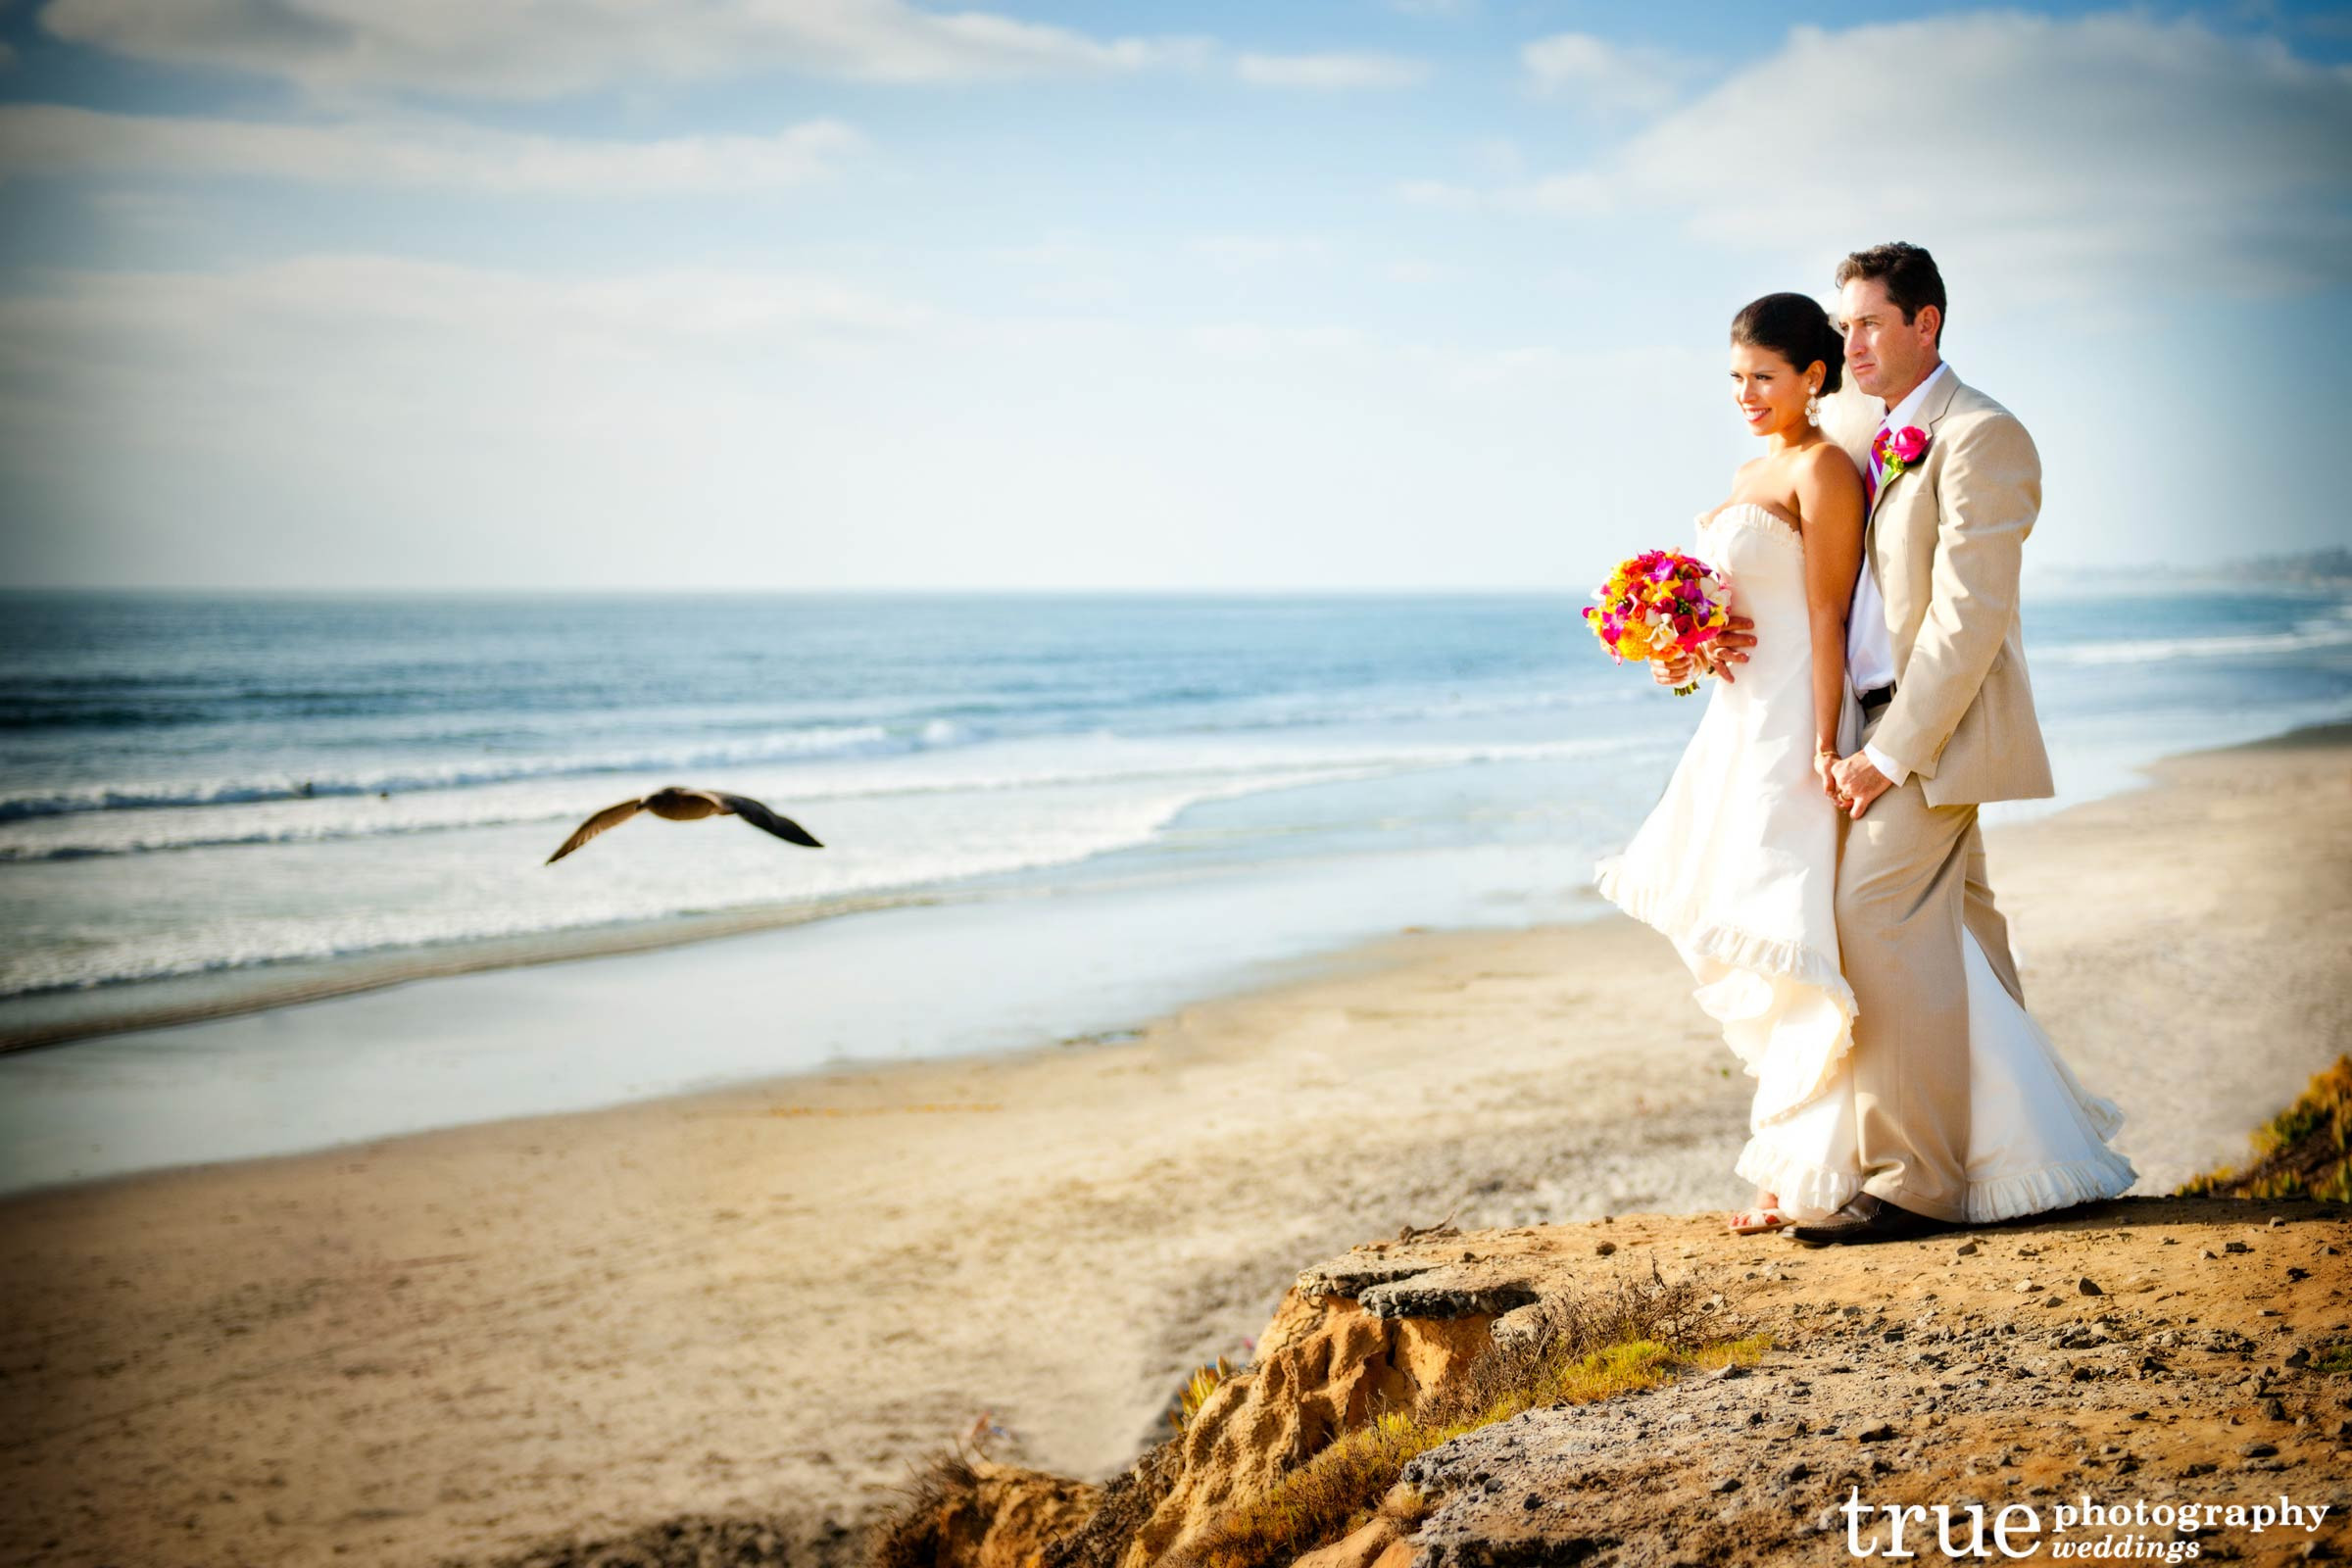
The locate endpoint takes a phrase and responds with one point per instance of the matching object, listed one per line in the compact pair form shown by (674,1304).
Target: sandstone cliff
(2152,1350)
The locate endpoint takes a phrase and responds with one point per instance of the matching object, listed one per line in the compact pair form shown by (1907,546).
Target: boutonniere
(1900,450)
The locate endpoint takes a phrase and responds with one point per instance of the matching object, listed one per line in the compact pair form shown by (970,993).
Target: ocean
(210,800)
(206,784)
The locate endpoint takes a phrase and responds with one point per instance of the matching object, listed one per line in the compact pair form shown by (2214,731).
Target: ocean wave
(959,727)
(1310,710)
(153,794)
(2306,637)
(984,839)
(1106,760)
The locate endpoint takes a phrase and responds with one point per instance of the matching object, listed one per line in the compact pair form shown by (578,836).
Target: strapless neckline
(1750,507)
(1754,512)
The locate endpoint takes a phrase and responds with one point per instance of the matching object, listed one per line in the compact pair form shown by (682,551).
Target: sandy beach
(769,1300)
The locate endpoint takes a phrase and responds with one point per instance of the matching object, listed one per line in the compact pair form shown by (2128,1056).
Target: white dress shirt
(1869,645)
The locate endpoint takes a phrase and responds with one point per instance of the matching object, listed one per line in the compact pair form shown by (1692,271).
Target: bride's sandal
(1768,1217)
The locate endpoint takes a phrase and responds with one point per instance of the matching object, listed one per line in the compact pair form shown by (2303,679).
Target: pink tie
(1878,464)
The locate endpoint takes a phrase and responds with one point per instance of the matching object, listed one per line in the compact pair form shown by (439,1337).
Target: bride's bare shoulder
(1828,489)
(1826,462)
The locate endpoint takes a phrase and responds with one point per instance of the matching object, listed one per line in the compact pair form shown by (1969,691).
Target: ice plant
(1658,603)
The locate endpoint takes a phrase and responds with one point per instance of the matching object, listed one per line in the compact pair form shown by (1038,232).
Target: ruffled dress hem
(1736,949)
(1805,1190)
(1809,1191)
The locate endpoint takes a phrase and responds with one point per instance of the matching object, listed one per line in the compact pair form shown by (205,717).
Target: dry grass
(2301,1153)
(1128,1503)
(941,1512)
(1636,1334)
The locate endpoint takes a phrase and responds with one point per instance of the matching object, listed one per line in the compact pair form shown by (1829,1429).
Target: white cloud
(1418,270)
(541,48)
(172,213)
(1255,340)
(359,421)
(258,310)
(1240,253)
(1497,157)
(1572,195)
(52,138)
(365,421)
(2056,157)
(1329,70)
(1069,268)
(1600,74)
(1438,193)
(349,418)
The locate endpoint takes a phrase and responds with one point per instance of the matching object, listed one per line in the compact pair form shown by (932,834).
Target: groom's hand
(1730,646)
(1855,783)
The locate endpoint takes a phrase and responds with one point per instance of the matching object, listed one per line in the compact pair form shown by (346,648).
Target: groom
(1936,657)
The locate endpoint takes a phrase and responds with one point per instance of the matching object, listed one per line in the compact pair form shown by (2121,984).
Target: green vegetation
(1202,1383)
(2302,1153)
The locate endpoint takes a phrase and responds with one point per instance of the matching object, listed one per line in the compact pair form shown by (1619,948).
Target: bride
(1738,862)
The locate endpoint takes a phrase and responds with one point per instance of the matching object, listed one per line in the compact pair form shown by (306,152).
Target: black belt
(1875,698)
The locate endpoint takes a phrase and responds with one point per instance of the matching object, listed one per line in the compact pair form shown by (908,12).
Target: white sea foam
(876,846)
(1302,711)
(1099,759)
(403,779)
(2307,636)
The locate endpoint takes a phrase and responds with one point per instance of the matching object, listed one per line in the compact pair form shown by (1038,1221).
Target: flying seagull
(681,804)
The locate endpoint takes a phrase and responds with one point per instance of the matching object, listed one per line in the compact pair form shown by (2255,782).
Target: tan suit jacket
(1945,540)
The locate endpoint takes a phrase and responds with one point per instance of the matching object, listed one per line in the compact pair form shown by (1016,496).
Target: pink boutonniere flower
(1900,450)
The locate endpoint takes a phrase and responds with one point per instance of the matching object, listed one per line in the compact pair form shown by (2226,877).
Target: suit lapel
(1931,409)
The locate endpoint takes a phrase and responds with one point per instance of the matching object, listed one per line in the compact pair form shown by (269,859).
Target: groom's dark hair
(1797,328)
(1910,275)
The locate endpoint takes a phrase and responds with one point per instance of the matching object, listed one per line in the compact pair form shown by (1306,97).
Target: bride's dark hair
(1797,328)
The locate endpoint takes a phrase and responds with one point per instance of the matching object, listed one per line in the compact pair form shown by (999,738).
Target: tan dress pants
(1910,878)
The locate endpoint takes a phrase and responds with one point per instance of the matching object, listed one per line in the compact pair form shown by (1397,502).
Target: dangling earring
(1813,406)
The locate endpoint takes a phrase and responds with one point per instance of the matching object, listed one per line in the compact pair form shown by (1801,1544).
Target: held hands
(1852,783)
(1729,648)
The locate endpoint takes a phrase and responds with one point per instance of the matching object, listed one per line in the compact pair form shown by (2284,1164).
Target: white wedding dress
(1737,865)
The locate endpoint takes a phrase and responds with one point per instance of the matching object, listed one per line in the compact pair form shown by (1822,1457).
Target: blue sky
(860,293)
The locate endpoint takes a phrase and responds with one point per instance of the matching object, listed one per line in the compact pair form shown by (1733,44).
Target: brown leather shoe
(1871,1218)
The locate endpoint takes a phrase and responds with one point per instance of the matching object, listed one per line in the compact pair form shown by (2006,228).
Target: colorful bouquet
(1656,603)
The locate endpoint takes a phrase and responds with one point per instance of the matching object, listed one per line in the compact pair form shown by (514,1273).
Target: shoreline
(261,988)
(770,1298)
(384,1058)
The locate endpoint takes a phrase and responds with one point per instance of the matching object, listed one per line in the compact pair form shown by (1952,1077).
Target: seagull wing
(760,816)
(609,817)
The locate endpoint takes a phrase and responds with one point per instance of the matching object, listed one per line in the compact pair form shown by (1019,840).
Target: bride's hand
(1677,669)
(1822,763)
